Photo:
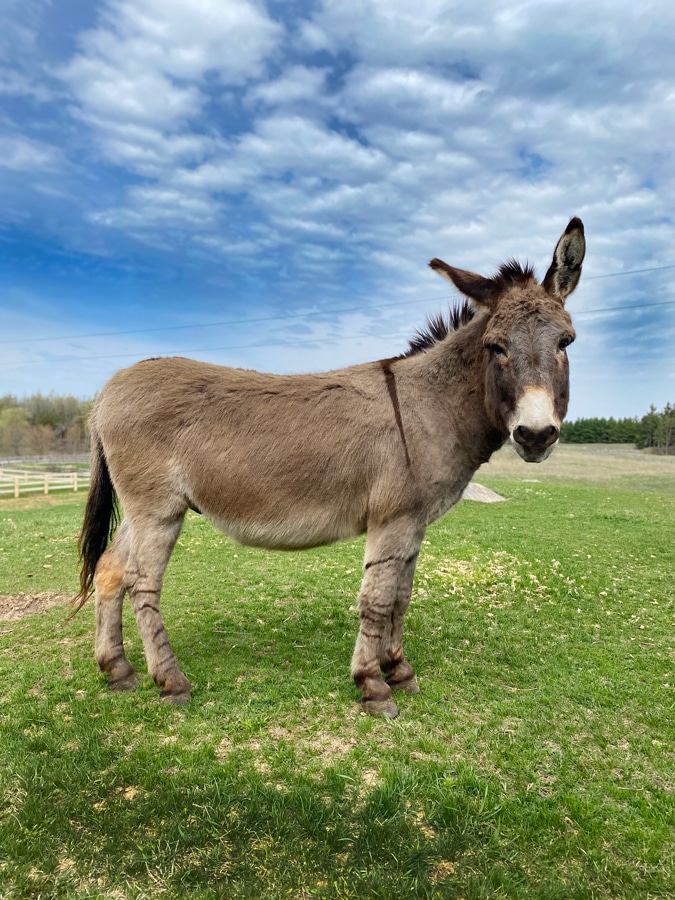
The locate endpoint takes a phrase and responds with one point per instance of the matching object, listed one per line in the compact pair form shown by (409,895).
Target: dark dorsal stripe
(393,396)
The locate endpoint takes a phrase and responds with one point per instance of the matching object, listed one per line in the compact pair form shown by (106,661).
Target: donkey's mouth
(534,455)
(534,447)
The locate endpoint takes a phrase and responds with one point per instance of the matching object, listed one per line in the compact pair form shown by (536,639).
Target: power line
(276,343)
(295,343)
(602,309)
(250,321)
(304,315)
(629,272)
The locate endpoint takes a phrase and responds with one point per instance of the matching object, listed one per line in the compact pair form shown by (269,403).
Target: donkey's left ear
(483,291)
(565,270)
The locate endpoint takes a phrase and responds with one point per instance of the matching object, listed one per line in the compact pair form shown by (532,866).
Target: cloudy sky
(262,184)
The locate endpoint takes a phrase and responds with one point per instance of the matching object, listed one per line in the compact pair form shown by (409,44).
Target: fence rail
(49,459)
(15,482)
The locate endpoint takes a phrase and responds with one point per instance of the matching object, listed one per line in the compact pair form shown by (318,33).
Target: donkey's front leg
(151,548)
(389,553)
(399,674)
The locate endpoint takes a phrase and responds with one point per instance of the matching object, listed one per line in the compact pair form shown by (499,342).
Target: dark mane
(512,272)
(438,327)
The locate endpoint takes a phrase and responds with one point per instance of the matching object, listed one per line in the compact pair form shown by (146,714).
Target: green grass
(538,761)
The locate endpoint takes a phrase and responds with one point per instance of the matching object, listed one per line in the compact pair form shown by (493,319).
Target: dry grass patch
(443,870)
(585,464)
(41,501)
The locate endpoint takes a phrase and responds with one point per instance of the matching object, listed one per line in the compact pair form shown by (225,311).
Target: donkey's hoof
(125,683)
(384,709)
(410,685)
(175,698)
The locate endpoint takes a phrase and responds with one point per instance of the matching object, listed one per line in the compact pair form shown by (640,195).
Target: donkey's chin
(532,454)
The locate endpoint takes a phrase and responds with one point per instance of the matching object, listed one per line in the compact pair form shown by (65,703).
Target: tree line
(39,425)
(655,430)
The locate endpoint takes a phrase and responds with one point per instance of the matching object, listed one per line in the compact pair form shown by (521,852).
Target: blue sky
(262,185)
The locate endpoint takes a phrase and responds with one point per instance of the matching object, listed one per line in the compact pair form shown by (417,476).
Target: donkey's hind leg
(152,542)
(389,563)
(110,589)
(399,674)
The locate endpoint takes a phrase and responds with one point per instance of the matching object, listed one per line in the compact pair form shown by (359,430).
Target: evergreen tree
(654,430)
(647,429)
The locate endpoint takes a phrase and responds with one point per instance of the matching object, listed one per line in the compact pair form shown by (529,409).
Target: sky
(262,184)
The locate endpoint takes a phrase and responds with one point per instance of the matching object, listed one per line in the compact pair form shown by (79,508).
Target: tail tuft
(101,517)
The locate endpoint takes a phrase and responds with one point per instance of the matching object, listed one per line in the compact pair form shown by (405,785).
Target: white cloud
(148,64)
(298,86)
(402,32)
(142,148)
(160,207)
(283,143)
(135,94)
(17,84)
(21,154)
(141,81)
(231,38)
(406,97)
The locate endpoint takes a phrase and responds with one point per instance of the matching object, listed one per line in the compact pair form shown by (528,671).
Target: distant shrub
(40,424)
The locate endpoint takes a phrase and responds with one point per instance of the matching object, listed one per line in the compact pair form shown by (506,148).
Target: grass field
(538,761)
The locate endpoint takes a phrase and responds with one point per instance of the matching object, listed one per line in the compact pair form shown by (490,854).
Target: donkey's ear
(482,291)
(565,270)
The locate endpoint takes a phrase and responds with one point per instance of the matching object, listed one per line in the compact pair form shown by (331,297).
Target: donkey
(296,461)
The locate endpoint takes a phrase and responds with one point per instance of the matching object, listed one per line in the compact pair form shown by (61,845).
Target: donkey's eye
(497,349)
(564,343)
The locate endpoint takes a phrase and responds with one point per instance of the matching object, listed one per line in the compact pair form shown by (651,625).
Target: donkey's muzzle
(534,446)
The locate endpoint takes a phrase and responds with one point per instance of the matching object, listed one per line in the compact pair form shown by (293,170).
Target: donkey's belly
(291,533)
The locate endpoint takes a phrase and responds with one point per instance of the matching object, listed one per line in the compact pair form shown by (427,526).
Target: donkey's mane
(512,272)
(438,327)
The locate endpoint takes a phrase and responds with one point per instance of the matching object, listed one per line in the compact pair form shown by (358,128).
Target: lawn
(537,762)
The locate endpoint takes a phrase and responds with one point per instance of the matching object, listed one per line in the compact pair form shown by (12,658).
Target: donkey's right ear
(483,291)
(565,269)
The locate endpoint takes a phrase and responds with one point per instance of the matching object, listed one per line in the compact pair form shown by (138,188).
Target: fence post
(46,482)
(16,485)
(74,481)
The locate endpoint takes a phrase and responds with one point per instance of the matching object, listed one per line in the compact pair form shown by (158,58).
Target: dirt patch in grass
(13,608)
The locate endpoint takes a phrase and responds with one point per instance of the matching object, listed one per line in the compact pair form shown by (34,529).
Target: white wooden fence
(15,482)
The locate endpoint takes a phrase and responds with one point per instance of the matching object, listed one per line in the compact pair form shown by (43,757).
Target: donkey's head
(525,338)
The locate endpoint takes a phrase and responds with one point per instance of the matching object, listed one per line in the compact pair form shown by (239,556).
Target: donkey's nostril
(550,435)
(523,435)
(526,437)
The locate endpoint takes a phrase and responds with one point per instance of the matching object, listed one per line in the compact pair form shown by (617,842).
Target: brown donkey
(296,461)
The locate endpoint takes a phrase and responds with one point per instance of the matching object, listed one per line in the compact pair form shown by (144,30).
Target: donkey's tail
(101,517)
